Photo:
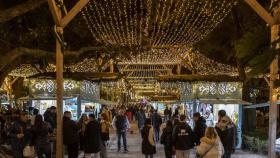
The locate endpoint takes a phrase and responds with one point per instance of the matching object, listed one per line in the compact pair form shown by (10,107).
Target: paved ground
(134,147)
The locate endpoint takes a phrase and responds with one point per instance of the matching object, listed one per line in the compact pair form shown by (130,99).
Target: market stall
(77,95)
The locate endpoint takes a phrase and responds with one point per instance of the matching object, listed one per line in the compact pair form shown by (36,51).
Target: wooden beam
(184,61)
(73,12)
(261,11)
(78,75)
(56,13)
(273,108)
(194,77)
(20,9)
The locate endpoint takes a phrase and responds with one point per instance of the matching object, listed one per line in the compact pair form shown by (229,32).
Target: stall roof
(225,101)
(106,102)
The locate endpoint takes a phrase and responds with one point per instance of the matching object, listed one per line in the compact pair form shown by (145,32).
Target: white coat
(205,144)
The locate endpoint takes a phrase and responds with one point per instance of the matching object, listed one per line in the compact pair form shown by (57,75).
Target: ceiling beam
(195,77)
(261,11)
(73,12)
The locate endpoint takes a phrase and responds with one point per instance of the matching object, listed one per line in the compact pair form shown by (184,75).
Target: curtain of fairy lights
(154,22)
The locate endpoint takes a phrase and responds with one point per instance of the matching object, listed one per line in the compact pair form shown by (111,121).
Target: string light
(123,22)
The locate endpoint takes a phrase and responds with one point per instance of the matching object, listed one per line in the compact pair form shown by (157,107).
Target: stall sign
(90,90)
(46,88)
(221,90)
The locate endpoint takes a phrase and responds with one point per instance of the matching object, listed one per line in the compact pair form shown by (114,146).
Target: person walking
(199,128)
(50,116)
(156,122)
(82,127)
(20,134)
(210,145)
(40,133)
(93,138)
(148,143)
(166,114)
(70,135)
(228,135)
(121,124)
(182,138)
(166,139)
(105,134)
(140,117)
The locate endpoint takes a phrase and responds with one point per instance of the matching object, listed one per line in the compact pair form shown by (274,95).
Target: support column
(59,100)
(272,94)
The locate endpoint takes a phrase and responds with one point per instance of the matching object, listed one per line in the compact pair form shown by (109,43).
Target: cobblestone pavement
(134,147)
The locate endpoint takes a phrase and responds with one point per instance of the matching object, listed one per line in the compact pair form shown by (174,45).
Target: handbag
(29,151)
(201,156)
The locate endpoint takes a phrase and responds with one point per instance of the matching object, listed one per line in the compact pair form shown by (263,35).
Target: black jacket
(199,129)
(166,137)
(183,137)
(156,120)
(70,131)
(147,148)
(228,137)
(92,137)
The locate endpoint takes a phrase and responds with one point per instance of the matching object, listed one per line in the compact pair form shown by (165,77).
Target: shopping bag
(29,151)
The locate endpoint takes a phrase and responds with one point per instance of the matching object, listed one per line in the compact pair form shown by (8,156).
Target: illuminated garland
(161,22)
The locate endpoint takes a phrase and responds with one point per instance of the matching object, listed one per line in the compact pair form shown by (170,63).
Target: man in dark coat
(70,135)
(182,138)
(121,124)
(199,128)
(156,122)
(20,134)
(93,137)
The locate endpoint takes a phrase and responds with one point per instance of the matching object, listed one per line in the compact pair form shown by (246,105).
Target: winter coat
(19,127)
(228,137)
(148,143)
(140,119)
(213,147)
(70,131)
(166,140)
(93,137)
(40,135)
(156,120)
(105,130)
(183,137)
(199,129)
(121,123)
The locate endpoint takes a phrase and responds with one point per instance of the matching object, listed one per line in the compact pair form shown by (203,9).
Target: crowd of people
(90,134)
(179,138)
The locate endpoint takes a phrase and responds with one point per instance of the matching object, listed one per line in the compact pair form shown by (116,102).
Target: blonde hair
(211,133)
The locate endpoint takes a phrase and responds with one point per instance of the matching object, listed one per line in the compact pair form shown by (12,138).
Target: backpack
(121,122)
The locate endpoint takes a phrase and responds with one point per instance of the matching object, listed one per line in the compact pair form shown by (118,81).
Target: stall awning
(225,101)
(106,102)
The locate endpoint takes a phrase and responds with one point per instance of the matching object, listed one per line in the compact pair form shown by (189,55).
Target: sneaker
(119,150)
(126,151)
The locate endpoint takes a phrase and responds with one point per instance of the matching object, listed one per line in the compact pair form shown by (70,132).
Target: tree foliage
(254,50)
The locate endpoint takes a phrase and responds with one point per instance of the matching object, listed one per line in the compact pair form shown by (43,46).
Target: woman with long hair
(210,145)
(82,127)
(40,132)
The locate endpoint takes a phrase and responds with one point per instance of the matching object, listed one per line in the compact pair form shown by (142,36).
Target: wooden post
(59,100)
(111,64)
(272,94)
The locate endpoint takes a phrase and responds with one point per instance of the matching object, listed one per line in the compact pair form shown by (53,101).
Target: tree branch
(10,13)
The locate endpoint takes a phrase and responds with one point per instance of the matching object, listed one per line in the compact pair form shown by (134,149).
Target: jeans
(227,154)
(73,150)
(121,134)
(103,151)
(156,131)
(182,153)
(43,150)
(95,155)
(149,156)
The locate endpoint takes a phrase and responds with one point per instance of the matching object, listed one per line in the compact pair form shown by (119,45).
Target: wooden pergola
(62,18)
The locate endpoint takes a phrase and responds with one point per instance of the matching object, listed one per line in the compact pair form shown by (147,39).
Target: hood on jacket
(210,141)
